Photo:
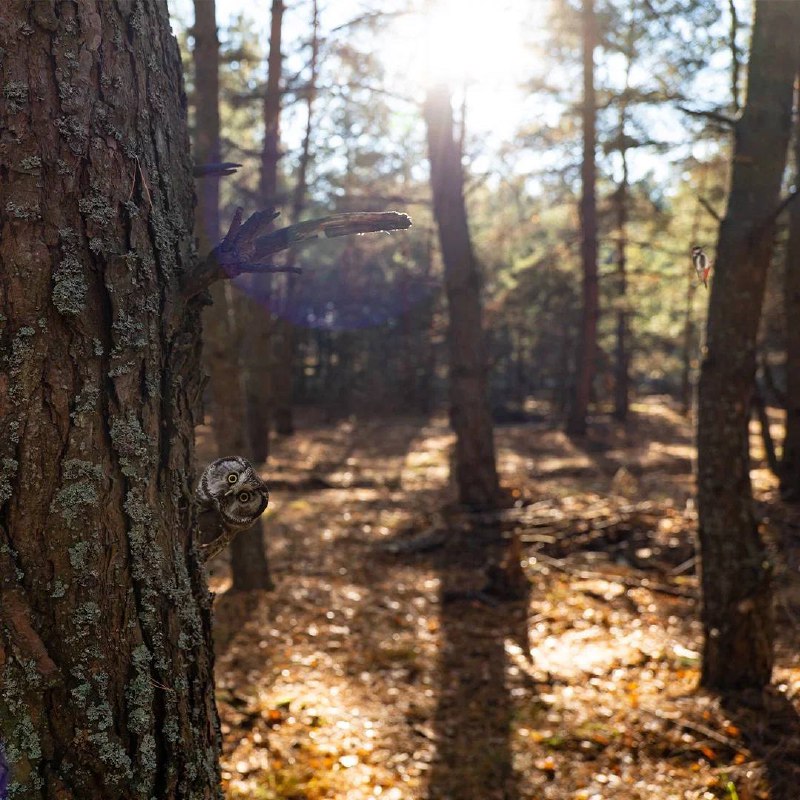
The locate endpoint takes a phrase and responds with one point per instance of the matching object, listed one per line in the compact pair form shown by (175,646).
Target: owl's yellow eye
(233,477)
(244,497)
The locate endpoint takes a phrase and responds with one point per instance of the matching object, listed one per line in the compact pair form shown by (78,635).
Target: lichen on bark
(106,668)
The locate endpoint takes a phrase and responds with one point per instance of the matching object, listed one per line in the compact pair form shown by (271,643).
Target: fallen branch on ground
(632,583)
(703,730)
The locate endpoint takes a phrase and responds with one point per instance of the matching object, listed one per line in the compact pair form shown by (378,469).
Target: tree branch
(222,168)
(248,244)
(767,227)
(708,207)
(709,113)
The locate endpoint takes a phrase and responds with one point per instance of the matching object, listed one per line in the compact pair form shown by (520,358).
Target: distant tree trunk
(622,381)
(475,470)
(258,342)
(106,659)
(286,335)
(688,346)
(790,463)
(207,125)
(762,416)
(221,344)
(737,614)
(735,60)
(587,341)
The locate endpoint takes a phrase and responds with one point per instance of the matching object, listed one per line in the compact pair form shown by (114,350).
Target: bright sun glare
(468,44)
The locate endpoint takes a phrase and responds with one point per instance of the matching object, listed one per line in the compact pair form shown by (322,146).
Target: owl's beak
(230,491)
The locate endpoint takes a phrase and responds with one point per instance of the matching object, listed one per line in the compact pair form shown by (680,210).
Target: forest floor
(378,669)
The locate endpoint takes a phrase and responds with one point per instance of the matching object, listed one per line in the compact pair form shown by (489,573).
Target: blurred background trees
(352,135)
(559,167)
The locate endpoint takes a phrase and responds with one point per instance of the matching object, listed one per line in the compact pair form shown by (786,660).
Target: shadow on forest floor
(375,672)
(474,717)
(473,722)
(770,726)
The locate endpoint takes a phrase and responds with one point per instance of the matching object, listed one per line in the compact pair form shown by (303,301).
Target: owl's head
(233,487)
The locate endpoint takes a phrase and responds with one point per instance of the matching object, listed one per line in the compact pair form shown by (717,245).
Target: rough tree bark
(586,357)
(475,469)
(257,315)
(736,613)
(105,648)
(790,462)
(222,342)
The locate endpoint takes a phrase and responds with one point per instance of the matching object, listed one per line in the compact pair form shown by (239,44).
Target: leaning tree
(106,666)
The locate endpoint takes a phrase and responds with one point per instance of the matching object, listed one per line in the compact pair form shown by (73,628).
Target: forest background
(637,101)
(533,521)
(369,317)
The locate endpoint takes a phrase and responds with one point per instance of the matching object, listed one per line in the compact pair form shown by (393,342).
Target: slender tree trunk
(735,60)
(286,333)
(258,318)
(587,341)
(207,125)
(736,613)
(689,343)
(221,343)
(790,465)
(106,660)
(475,470)
(762,416)
(622,359)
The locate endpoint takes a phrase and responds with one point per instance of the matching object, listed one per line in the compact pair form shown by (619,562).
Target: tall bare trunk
(258,318)
(106,660)
(790,466)
(286,344)
(222,345)
(475,470)
(586,360)
(689,344)
(622,358)
(737,598)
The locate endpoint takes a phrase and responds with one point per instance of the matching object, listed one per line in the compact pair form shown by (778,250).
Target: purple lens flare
(5,774)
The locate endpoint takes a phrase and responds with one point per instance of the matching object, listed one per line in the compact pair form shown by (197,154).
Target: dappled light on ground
(380,669)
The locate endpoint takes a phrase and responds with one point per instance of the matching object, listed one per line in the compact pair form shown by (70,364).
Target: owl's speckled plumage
(231,496)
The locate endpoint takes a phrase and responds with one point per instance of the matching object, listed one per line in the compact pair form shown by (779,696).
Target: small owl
(231,497)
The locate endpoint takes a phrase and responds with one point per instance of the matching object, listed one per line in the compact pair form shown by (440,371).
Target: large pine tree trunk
(476,473)
(790,466)
(222,345)
(585,364)
(105,649)
(736,615)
